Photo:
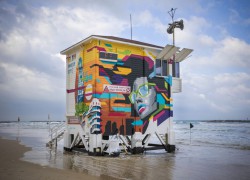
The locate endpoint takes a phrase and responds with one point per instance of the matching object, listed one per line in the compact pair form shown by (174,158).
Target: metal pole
(190,136)
(50,131)
(172,13)
(173,65)
(131,26)
(56,143)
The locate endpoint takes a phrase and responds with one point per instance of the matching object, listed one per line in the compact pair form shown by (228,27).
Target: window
(164,68)
(177,70)
(158,67)
(106,55)
(161,67)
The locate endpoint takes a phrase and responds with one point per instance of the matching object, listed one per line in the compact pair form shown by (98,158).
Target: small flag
(191,125)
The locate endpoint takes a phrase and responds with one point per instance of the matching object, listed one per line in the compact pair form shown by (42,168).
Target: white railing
(177,85)
(56,133)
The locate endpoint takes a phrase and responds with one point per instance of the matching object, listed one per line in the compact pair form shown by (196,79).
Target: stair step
(56,133)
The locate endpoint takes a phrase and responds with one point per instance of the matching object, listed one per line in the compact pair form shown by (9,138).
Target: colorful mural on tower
(116,85)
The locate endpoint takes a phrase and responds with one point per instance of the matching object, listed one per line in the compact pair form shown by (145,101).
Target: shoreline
(189,162)
(12,167)
(209,121)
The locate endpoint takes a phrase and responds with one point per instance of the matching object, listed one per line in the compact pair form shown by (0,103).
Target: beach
(11,167)
(196,166)
(216,151)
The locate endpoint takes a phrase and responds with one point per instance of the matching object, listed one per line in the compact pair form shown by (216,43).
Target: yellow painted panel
(123,70)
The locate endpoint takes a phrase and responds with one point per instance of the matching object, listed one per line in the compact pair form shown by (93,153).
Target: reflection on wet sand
(206,159)
(189,162)
(147,166)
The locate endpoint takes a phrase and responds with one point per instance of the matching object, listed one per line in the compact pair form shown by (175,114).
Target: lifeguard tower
(119,95)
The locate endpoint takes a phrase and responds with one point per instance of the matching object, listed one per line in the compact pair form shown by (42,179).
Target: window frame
(162,74)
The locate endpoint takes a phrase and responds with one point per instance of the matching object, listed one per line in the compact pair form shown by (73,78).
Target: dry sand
(11,167)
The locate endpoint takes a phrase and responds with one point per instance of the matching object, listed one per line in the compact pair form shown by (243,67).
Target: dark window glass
(106,55)
(161,67)
(158,67)
(177,69)
(165,68)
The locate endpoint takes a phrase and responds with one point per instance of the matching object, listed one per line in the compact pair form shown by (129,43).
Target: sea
(208,150)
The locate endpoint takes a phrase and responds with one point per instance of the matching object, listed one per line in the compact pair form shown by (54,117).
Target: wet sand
(189,162)
(11,167)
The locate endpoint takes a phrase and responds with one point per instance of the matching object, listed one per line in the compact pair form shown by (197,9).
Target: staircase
(56,134)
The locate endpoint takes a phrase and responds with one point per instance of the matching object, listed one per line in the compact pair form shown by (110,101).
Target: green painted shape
(81,108)
(125,52)
(156,112)
(108,45)
(87,78)
(166,85)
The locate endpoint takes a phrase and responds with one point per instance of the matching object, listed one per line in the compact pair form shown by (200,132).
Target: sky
(216,77)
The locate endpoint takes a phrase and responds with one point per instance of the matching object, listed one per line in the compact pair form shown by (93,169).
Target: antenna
(170,30)
(131,32)
(171,13)
(174,24)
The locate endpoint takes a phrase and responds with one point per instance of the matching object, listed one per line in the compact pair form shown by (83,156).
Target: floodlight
(175,24)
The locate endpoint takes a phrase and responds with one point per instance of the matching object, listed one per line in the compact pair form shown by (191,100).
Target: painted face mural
(148,100)
(143,97)
(130,94)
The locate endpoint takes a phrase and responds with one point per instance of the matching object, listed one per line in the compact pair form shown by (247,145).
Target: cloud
(80,22)
(193,35)
(232,52)
(32,70)
(147,19)
(25,84)
(215,96)
(215,77)
(234,16)
(228,55)
(234,86)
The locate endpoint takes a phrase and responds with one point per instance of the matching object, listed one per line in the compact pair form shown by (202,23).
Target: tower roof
(113,39)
